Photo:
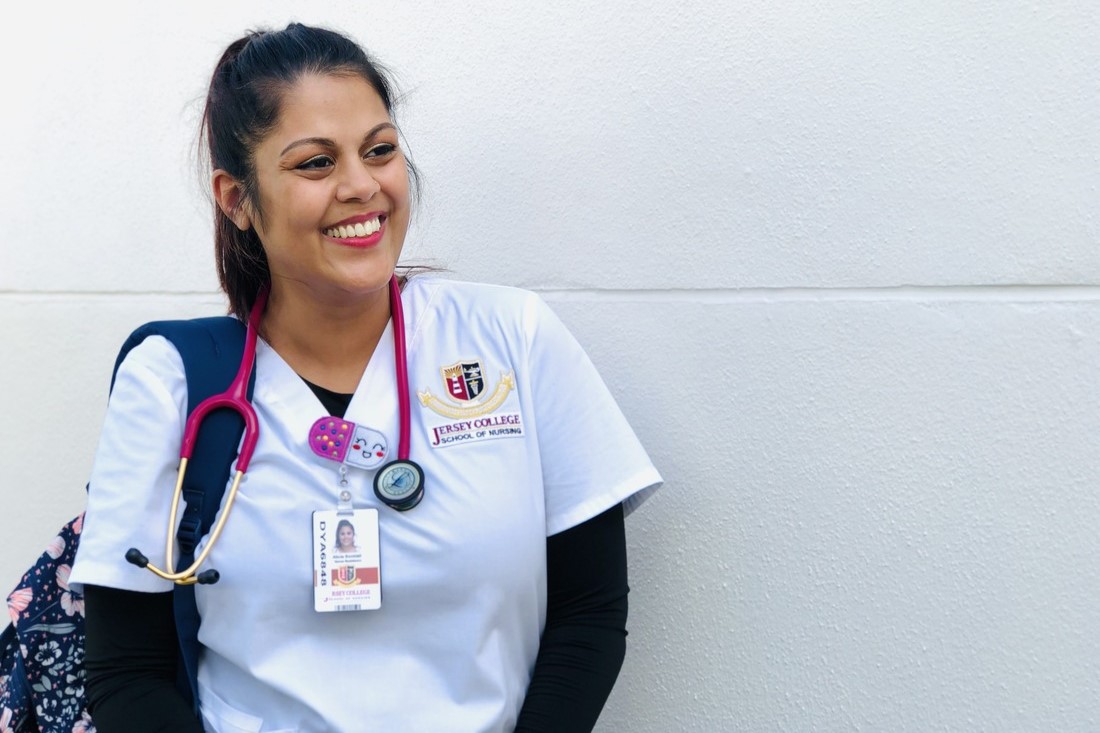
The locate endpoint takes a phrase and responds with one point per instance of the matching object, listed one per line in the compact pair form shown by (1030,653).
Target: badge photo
(346,564)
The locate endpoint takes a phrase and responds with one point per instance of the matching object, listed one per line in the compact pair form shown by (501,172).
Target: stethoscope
(398,484)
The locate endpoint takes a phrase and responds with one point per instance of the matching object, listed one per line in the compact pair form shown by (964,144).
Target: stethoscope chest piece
(400,485)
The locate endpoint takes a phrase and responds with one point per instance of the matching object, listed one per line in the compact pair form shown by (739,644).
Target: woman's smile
(358,231)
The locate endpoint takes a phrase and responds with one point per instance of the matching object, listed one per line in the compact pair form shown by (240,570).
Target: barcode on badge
(349,607)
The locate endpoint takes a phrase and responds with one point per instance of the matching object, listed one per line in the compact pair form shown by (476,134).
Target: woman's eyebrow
(324,142)
(379,128)
(328,143)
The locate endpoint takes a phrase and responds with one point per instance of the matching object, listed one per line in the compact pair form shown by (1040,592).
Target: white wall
(839,262)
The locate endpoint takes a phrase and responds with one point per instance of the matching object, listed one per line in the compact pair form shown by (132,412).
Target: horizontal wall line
(904,293)
(69,295)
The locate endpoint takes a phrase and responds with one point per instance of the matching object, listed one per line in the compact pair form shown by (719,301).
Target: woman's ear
(229,194)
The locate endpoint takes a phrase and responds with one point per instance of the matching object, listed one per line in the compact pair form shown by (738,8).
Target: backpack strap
(211,349)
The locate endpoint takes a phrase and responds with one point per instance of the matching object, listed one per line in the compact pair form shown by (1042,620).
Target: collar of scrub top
(234,398)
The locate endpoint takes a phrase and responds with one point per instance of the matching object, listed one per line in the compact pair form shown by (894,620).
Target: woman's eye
(380,151)
(317,162)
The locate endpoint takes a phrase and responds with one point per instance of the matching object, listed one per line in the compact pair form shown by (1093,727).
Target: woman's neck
(327,343)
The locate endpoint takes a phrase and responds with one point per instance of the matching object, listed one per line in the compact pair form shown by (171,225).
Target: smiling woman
(488,589)
(314,188)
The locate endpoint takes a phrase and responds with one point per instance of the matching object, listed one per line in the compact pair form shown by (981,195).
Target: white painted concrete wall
(839,262)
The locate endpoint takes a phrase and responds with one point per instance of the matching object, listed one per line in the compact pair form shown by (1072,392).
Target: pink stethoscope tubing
(236,398)
(401,369)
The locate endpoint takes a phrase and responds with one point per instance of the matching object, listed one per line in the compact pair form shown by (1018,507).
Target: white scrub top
(519,439)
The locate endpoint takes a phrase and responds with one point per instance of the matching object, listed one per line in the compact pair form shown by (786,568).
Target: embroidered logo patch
(467,402)
(465,386)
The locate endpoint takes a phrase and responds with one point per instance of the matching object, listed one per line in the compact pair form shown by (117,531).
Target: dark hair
(243,105)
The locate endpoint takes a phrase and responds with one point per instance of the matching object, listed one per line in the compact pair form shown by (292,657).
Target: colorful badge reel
(343,441)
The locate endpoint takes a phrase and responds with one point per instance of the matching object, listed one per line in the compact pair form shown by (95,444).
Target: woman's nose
(357,182)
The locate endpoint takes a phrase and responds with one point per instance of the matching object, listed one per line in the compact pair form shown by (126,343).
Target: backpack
(42,650)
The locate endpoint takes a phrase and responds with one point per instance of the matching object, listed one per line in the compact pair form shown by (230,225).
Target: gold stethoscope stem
(188,576)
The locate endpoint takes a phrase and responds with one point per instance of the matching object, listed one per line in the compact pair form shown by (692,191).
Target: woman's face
(334,191)
(346,536)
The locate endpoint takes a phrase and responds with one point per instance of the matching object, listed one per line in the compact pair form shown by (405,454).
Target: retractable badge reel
(398,484)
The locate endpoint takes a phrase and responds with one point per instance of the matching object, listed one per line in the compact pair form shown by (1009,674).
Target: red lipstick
(358,230)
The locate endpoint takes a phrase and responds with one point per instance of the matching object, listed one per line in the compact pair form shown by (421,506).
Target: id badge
(346,563)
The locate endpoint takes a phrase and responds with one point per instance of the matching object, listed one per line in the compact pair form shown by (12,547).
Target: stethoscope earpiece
(208,577)
(134,557)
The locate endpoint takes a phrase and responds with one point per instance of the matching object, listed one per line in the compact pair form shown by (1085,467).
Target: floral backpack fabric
(42,651)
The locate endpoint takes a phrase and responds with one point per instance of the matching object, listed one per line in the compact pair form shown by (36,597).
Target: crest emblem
(467,392)
(464,380)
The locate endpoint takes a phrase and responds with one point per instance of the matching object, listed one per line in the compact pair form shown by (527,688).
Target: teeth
(362,229)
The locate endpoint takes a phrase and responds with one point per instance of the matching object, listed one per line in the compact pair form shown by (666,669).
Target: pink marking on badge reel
(330,437)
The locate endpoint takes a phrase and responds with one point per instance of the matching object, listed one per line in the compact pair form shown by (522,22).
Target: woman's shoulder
(153,354)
